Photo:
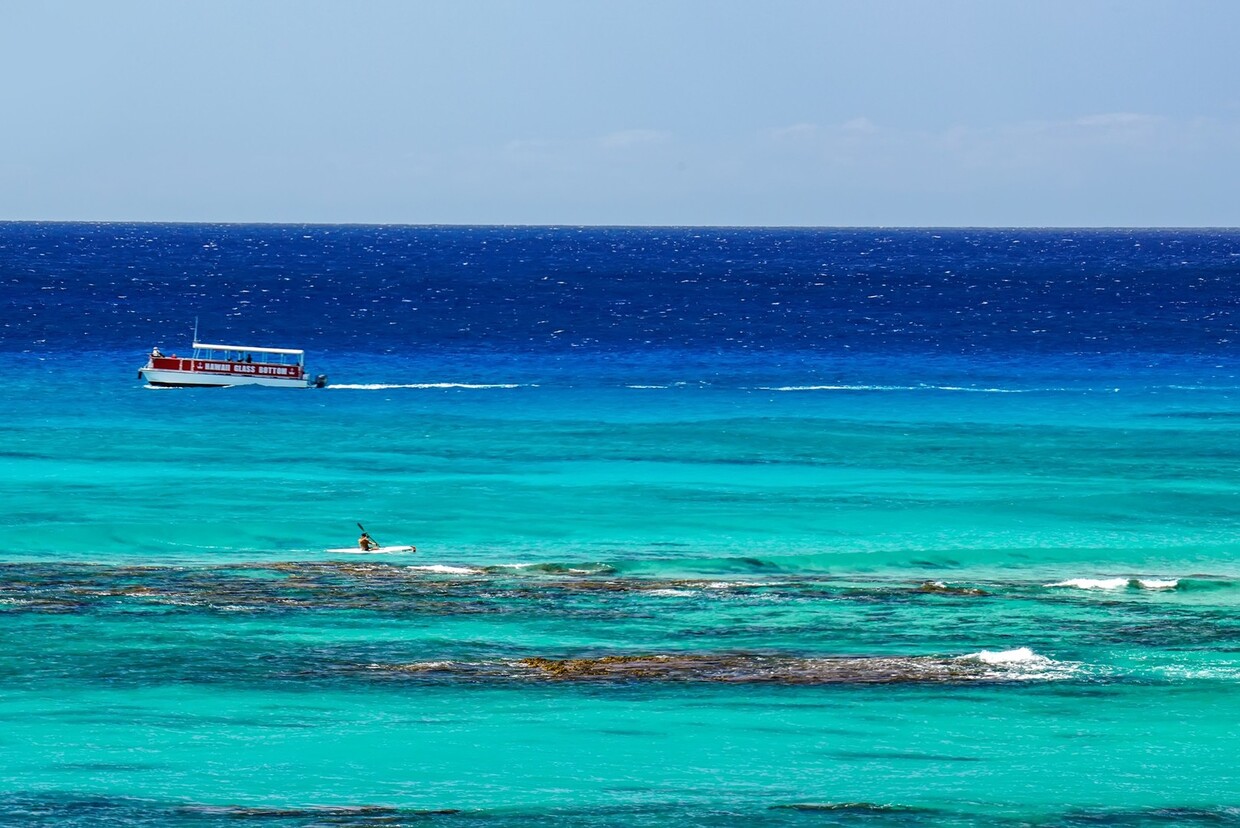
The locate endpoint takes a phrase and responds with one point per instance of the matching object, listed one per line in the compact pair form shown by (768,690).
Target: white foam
(444,569)
(1021,664)
(645,386)
(962,388)
(414,666)
(671,592)
(568,570)
(1117,583)
(1216,673)
(980,390)
(1092,583)
(837,388)
(380,386)
(1021,655)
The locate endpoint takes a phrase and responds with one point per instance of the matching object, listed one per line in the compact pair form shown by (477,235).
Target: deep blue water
(517,290)
(714,527)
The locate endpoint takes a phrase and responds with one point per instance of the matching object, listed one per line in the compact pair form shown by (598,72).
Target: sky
(1066,113)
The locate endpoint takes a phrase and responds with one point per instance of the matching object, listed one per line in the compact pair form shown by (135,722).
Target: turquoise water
(897,603)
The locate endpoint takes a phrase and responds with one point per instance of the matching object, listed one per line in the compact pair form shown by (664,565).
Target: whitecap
(1020,655)
(1092,583)
(414,666)
(1021,664)
(444,569)
(1117,583)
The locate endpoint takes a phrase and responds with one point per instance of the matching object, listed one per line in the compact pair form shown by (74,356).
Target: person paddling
(366,542)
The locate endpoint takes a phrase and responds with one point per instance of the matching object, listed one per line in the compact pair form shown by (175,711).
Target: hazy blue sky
(876,112)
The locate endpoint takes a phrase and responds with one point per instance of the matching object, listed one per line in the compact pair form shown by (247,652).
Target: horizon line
(562,225)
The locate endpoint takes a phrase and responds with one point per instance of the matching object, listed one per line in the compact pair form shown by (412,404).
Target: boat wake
(471,386)
(900,388)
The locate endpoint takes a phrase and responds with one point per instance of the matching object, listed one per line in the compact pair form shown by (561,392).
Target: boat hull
(379,550)
(194,379)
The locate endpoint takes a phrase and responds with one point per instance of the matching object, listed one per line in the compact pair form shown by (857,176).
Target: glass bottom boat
(225,365)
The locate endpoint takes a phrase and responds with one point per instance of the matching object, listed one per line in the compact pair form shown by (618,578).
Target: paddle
(377,544)
(363,528)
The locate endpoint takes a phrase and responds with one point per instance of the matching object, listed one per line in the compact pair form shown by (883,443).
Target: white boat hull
(222,366)
(165,377)
(380,550)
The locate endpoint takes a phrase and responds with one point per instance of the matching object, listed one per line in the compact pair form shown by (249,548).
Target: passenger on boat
(156,353)
(366,542)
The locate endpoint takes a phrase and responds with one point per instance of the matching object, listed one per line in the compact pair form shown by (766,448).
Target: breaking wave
(444,569)
(1020,663)
(1117,583)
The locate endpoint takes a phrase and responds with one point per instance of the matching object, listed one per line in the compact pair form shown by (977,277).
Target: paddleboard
(382,550)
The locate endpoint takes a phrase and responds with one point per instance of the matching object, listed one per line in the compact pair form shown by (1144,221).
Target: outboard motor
(320,381)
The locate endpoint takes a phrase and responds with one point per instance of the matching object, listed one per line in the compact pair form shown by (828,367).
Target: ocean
(714,527)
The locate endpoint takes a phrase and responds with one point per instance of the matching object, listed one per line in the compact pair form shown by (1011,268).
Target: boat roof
(251,348)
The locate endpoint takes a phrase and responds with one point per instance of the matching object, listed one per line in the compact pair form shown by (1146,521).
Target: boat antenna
(195,328)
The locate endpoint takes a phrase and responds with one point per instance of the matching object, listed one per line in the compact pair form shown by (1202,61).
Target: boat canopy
(248,349)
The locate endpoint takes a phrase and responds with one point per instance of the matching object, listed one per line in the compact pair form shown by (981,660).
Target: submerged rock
(940,588)
(747,668)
